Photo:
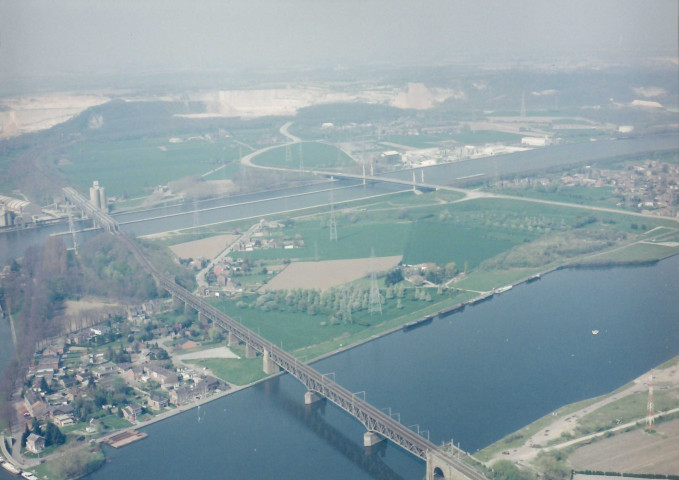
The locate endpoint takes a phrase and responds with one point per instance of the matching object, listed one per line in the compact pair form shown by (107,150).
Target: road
(469,194)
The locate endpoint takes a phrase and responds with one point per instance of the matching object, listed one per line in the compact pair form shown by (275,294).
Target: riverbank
(598,420)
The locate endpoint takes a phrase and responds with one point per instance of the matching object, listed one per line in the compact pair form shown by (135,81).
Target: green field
(241,371)
(430,230)
(314,155)
(353,241)
(432,241)
(132,167)
(594,196)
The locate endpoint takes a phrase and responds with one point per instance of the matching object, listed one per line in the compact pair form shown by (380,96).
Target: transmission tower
(195,213)
(650,422)
(301,158)
(346,310)
(288,154)
(71,228)
(333,221)
(375,297)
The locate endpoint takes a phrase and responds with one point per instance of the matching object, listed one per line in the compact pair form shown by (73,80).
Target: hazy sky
(129,37)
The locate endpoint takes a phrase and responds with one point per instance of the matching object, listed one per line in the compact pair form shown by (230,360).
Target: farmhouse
(35,405)
(35,443)
(132,411)
(63,420)
(157,402)
(163,376)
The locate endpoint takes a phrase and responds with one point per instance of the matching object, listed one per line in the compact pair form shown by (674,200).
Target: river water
(473,376)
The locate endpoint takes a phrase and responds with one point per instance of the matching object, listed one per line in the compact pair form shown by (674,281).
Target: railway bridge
(441,464)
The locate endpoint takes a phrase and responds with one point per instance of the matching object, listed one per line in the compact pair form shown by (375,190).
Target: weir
(440,463)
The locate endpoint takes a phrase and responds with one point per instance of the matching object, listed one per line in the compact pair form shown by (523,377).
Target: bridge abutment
(439,467)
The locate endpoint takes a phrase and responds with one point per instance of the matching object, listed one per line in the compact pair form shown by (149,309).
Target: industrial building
(15,211)
(98,196)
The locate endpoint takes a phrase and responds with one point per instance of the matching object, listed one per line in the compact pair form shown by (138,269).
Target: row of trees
(338,303)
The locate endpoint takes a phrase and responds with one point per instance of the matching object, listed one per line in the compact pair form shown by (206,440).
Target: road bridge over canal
(440,463)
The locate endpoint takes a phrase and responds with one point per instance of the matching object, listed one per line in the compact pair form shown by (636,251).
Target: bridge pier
(371,438)
(269,366)
(249,351)
(176,302)
(312,397)
(233,340)
(201,318)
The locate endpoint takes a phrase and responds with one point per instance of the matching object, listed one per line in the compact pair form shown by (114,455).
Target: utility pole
(650,421)
(333,221)
(71,228)
(375,297)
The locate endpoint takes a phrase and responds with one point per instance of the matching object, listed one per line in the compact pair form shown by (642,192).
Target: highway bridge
(440,463)
(372,178)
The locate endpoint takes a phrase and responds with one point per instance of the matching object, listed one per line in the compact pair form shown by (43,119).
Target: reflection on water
(312,416)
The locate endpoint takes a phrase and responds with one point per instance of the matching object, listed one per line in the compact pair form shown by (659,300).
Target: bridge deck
(100,217)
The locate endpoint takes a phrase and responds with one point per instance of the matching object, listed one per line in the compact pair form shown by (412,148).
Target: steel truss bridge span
(373,419)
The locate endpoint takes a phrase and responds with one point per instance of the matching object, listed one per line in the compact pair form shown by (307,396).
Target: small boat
(534,278)
(418,323)
(11,468)
(29,476)
(595,332)
(503,289)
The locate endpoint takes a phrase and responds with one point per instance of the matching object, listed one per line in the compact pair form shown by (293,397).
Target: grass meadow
(131,167)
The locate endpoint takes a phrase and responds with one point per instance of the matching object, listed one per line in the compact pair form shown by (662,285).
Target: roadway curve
(468,194)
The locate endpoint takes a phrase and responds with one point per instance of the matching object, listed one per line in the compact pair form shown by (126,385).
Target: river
(473,376)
